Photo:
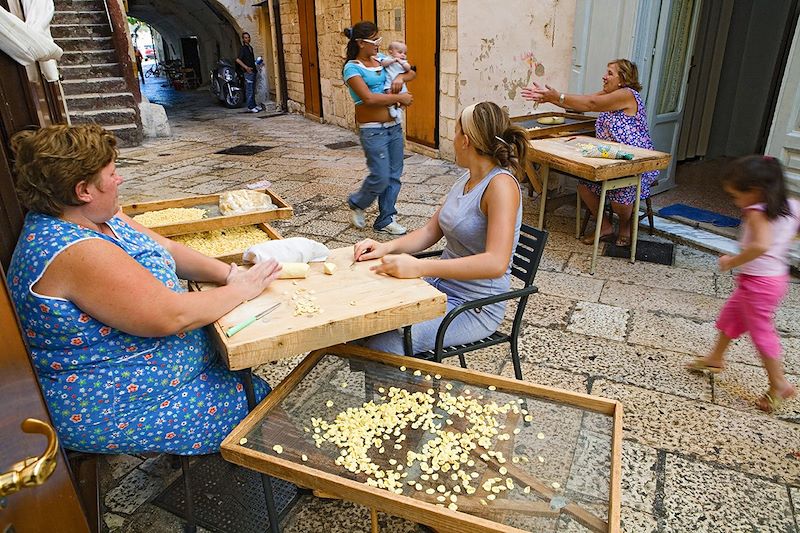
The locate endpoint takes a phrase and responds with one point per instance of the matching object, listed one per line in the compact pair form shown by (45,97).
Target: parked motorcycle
(227,84)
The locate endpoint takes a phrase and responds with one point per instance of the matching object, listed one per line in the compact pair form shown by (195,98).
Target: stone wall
(448,76)
(290,28)
(333,16)
(485,54)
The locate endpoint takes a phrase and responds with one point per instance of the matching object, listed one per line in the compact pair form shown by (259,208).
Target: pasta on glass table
(451,448)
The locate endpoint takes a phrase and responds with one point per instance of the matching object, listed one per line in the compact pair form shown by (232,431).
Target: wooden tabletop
(565,155)
(354,303)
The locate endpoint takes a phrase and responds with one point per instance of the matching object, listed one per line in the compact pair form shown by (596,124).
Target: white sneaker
(357,217)
(255,110)
(393,228)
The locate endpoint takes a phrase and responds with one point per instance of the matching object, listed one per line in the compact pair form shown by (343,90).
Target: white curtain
(30,40)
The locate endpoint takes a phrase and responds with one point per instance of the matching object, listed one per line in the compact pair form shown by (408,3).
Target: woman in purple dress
(622,119)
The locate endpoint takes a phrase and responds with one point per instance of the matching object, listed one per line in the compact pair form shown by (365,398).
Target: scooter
(227,84)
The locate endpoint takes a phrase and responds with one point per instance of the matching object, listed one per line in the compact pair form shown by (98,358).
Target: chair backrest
(528,253)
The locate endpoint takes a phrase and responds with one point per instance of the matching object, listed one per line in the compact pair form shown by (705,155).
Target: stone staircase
(93,82)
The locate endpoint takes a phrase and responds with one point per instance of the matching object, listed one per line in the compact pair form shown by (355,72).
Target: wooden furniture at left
(565,155)
(355,303)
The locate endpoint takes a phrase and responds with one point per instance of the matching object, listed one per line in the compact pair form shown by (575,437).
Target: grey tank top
(464,226)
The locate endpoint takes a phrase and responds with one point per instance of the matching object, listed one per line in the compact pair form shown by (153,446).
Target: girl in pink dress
(771,220)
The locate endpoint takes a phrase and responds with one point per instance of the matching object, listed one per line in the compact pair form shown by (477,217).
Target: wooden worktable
(354,303)
(565,156)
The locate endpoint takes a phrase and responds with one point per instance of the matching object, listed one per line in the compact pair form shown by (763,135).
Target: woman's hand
(254,280)
(405,99)
(397,84)
(399,266)
(540,93)
(369,249)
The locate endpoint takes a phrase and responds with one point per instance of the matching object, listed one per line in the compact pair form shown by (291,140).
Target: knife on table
(233,330)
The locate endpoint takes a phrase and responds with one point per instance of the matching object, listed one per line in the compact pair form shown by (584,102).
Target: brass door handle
(32,471)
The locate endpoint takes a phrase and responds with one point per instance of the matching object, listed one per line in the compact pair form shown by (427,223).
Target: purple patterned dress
(109,391)
(619,127)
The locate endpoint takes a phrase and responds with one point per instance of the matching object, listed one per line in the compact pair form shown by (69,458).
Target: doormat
(341,145)
(699,215)
(244,149)
(649,251)
(227,497)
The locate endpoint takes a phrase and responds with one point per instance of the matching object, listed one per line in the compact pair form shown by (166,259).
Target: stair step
(127,134)
(96,70)
(94,85)
(104,117)
(80,30)
(80,17)
(90,101)
(80,5)
(75,44)
(88,57)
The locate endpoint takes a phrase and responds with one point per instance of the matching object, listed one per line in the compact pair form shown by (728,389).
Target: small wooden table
(564,155)
(557,454)
(355,303)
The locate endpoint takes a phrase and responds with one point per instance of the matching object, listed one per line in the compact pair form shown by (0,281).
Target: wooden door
(363,10)
(422,38)
(310,57)
(54,505)
(784,137)
(669,77)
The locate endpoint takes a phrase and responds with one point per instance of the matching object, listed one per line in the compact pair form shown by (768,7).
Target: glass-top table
(451,448)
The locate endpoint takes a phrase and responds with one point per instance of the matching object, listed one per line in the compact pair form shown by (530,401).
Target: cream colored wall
(496,49)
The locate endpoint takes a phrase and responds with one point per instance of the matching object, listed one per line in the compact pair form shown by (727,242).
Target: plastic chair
(525,263)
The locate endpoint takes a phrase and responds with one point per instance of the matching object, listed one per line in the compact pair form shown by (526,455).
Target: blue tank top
(374,77)
(464,226)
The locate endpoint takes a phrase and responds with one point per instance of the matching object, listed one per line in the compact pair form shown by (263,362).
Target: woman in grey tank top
(480,221)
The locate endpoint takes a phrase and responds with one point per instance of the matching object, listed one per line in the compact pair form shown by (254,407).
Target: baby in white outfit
(395,65)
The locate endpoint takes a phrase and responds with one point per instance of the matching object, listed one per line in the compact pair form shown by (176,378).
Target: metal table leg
(266,482)
(635,218)
(545,171)
(598,225)
(578,206)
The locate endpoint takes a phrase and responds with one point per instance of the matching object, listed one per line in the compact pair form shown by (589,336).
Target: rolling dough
(294,270)
(550,120)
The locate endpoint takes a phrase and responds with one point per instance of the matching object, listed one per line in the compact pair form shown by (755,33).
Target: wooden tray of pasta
(169,225)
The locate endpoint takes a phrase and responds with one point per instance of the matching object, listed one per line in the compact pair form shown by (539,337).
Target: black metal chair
(525,263)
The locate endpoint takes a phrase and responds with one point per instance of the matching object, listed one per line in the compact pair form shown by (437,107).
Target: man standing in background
(247,61)
(138,56)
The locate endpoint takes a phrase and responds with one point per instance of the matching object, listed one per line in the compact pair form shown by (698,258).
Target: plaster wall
(503,51)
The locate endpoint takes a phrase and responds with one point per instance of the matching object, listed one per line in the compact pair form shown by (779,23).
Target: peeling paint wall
(502,52)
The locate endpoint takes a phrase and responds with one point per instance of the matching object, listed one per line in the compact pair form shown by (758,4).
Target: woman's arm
(416,241)
(759,227)
(376,99)
(500,204)
(400,79)
(191,264)
(106,283)
(621,99)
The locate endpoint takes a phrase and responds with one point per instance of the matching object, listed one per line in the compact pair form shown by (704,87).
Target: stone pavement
(697,454)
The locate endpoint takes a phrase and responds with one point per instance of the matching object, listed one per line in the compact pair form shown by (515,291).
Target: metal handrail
(108,15)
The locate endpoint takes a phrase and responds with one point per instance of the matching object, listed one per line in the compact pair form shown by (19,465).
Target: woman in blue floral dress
(118,345)
(622,119)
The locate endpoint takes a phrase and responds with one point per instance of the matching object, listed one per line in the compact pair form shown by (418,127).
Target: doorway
(191,56)
(737,68)
(310,58)
(422,38)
